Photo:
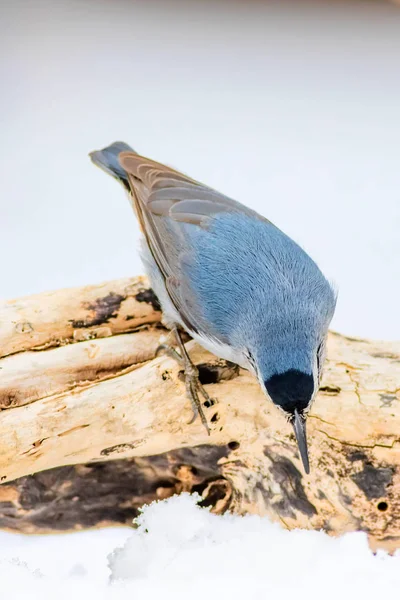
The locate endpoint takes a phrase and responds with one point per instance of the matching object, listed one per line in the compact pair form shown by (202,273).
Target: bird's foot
(193,389)
(191,374)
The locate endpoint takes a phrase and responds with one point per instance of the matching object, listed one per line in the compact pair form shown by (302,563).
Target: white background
(292,109)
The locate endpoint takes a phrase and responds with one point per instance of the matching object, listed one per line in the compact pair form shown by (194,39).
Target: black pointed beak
(299,426)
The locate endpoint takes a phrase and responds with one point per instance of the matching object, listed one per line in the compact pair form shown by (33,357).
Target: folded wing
(169,205)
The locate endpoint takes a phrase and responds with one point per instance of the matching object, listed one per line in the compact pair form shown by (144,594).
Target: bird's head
(288,364)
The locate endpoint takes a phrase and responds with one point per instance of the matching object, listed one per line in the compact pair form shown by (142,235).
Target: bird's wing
(165,202)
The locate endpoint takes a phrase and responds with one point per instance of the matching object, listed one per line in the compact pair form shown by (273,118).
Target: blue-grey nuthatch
(236,283)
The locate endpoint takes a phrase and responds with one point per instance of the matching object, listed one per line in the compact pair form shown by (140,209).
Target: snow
(81,555)
(180,550)
(295,113)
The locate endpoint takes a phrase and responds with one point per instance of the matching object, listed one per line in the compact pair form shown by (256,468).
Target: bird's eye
(319,357)
(250,358)
(320,352)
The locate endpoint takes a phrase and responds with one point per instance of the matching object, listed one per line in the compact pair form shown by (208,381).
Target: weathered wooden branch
(103,423)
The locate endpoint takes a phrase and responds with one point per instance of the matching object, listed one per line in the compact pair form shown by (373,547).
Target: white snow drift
(181,550)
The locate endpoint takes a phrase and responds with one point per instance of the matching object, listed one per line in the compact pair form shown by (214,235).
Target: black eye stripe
(251,358)
(319,352)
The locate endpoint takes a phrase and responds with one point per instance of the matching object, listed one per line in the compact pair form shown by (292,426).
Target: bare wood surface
(72,315)
(78,389)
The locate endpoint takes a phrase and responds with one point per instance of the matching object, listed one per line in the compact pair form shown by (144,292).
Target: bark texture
(93,424)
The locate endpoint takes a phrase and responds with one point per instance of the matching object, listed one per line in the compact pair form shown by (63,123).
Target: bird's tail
(107,160)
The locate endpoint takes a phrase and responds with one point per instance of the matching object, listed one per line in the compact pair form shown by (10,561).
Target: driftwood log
(93,424)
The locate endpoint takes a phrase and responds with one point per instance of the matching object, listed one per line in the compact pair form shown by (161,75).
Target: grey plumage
(229,277)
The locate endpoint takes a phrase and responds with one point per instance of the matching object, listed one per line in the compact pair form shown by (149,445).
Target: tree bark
(103,422)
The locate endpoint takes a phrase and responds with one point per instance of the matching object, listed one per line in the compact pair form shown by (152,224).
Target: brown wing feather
(164,200)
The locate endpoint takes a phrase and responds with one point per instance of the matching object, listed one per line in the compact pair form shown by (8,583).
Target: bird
(232,280)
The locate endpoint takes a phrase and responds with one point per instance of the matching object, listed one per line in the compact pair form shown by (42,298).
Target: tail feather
(107,160)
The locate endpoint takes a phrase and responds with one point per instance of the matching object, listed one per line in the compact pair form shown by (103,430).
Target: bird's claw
(191,374)
(193,385)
